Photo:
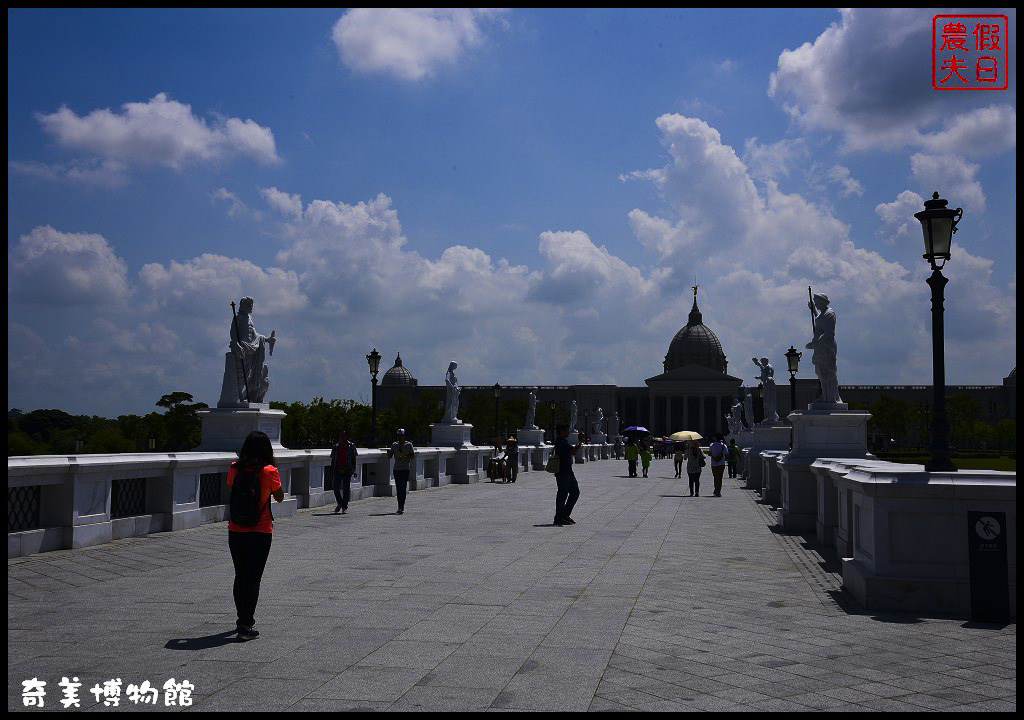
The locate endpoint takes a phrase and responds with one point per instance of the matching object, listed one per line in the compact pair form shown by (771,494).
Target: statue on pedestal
(451,402)
(599,422)
(572,416)
(246,375)
(767,378)
(737,416)
(531,411)
(748,409)
(824,346)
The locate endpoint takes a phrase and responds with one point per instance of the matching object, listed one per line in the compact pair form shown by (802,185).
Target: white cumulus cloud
(57,268)
(159,131)
(408,43)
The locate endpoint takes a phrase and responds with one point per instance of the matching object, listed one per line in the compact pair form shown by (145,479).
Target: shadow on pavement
(203,643)
(382,514)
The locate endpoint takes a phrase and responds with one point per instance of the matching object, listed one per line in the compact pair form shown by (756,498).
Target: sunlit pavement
(473,600)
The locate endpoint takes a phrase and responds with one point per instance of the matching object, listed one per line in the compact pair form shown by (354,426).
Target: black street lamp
(552,406)
(793,359)
(938,224)
(497,396)
(374,361)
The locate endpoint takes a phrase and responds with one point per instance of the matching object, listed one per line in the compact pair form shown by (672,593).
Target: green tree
(893,418)
(962,411)
(184,429)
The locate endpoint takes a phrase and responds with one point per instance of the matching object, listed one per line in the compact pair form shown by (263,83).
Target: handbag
(552,464)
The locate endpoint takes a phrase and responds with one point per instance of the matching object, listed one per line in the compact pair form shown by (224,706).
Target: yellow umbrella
(686,435)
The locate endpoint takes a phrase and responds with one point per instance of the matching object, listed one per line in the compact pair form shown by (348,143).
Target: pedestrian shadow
(674,496)
(203,643)
(326,514)
(382,514)
(547,525)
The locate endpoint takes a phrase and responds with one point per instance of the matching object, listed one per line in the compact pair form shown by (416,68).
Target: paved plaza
(472,600)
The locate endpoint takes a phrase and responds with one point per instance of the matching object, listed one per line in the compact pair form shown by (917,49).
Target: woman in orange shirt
(250,543)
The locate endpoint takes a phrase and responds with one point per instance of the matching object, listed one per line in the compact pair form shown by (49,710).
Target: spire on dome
(695,316)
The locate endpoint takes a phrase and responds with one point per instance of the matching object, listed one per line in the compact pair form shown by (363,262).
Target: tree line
(315,424)
(906,425)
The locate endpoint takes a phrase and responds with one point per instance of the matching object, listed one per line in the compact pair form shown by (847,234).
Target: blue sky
(529,193)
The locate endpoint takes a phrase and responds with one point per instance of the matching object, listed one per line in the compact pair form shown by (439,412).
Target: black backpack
(245,506)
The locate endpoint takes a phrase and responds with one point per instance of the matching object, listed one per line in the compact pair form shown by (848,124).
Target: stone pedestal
(908,530)
(574,437)
(598,438)
(530,436)
(225,429)
(825,430)
(450,434)
(762,438)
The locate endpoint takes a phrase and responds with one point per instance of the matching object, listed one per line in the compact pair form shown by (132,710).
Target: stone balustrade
(71,501)
(903,532)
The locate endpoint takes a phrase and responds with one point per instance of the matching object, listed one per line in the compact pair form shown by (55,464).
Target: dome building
(398,374)
(694,392)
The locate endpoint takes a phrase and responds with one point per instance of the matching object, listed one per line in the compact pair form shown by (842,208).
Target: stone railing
(69,501)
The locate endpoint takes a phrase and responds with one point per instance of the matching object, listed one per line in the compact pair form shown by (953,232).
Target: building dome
(695,344)
(398,375)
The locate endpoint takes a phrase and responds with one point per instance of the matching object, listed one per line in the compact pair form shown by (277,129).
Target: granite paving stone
(472,601)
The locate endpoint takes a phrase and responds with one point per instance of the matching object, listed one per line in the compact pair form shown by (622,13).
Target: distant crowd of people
(253,480)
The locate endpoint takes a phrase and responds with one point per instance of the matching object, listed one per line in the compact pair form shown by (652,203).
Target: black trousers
(342,486)
(402,486)
(679,468)
(632,468)
(567,495)
(694,482)
(514,468)
(249,553)
(732,468)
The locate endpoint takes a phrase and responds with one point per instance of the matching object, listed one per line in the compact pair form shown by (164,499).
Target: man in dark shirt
(343,464)
(568,488)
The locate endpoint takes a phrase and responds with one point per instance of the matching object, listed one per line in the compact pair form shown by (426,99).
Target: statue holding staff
(531,411)
(246,375)
(824,346)
(572,416)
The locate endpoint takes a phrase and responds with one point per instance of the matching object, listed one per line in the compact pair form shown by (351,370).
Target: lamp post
(793,359)
(552,406)
(938,224)
(497,396)
(374,361)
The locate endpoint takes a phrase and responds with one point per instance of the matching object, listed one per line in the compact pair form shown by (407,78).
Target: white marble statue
(748,409)
(737,415)
(824,346)
(767,378)
(251,377)
(451,402)
(598,424)
(572,416)
(531,411)
(730,422)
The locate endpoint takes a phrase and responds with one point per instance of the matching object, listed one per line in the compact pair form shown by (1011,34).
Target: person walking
(512,458)
(568,489)
(645,458)
(678,456)
(719,456)
(734,457)
(343,461)
(253,479)
(694,462)
(403,452)
(632,453)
